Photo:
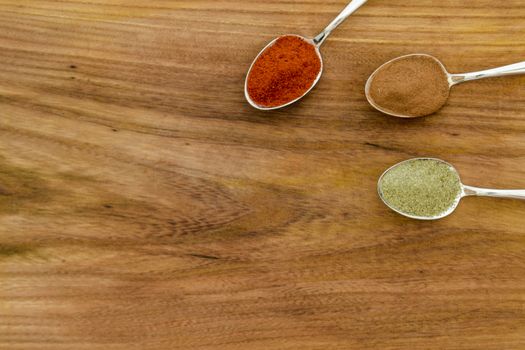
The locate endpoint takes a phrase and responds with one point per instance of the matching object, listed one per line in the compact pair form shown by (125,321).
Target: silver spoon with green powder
(429,189)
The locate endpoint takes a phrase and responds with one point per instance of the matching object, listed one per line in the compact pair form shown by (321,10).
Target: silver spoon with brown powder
(419,85)
(429,189)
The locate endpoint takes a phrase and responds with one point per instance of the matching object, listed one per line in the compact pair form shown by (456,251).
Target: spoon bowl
(453,204)
(464,191)
(263,108)
(448,78)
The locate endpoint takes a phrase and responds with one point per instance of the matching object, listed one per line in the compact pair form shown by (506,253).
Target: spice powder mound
(412,86)
(283,72)
(422,187)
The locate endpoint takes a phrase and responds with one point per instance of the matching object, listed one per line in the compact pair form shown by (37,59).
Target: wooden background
(145,205)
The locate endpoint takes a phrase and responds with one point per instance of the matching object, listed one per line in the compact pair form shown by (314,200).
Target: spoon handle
(349,9)
(487,192)
(512,69)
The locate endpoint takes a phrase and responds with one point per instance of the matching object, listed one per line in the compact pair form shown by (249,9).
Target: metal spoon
(317,42)
(453,79)
(465,191)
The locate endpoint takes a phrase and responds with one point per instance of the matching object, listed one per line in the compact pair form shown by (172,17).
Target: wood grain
(144,205)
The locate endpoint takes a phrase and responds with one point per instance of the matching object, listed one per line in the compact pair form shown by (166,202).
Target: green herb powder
(421,187)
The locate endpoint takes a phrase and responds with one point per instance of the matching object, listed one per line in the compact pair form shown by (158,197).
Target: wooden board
(145,205)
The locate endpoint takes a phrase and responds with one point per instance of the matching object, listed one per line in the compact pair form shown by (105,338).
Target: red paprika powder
(283,72)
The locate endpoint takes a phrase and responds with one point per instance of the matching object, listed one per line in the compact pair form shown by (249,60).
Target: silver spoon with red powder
(289,66)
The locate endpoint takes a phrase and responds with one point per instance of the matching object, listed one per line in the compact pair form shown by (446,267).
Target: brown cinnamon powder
(412,86)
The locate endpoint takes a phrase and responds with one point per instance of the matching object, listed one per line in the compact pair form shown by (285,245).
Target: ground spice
(413,86)
(283,72)
(421,187)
